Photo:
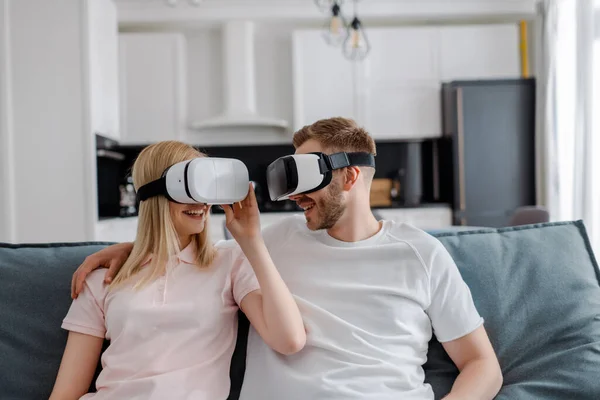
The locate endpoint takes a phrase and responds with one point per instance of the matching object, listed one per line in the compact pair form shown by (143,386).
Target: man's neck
(355,225)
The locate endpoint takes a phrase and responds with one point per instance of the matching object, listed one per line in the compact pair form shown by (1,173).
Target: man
(371,294)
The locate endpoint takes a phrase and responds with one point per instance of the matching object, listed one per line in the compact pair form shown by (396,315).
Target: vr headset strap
(361,159)
(154,188)
(342,160)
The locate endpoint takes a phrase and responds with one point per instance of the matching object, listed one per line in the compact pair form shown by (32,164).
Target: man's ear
(351,175)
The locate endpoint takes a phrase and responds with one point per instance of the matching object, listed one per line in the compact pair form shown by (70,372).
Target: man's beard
(330,208)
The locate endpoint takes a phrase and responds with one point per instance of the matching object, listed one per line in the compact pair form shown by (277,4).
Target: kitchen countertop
(294,209)
(426,216)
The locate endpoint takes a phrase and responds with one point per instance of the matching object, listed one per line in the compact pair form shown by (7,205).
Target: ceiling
(157,11)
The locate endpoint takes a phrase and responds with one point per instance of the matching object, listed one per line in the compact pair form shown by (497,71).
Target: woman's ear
(351,175)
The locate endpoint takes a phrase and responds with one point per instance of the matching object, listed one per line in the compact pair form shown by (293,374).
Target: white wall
(48,122)
(7,222)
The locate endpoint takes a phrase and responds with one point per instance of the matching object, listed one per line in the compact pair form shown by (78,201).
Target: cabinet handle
(436,173)
(110,154)
(460,133)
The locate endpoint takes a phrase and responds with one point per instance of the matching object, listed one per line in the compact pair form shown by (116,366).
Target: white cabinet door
(394,93)
(104,67)
(153,97)
(480,52)
(324,81)
(403,83)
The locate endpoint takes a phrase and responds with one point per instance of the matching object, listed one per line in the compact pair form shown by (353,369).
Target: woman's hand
(272,310)
(243,219)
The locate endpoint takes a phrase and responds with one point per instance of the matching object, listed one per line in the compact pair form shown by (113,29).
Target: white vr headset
(306,173)
(201,180)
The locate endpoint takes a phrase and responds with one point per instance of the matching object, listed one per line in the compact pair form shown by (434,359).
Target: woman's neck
(184,241)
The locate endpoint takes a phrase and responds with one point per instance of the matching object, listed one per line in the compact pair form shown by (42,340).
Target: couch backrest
(537,288)
(35,295)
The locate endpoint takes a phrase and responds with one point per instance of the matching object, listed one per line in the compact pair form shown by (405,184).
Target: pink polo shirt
(172,339)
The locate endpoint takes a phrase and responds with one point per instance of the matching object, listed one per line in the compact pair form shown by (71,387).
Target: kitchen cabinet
(153,96)
(103,48)
(395,91)
(325,83)
(480,52)
(402,83)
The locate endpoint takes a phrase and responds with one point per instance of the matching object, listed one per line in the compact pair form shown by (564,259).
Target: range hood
(239,84)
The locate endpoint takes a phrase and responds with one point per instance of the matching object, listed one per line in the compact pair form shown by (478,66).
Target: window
(595,137)
(574,133)
(566,84)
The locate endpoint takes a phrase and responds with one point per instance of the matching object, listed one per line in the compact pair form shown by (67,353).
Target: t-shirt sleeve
(86,314)
(452,311)
(243,279)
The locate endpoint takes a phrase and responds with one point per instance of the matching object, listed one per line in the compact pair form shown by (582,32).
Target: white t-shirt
(369,307)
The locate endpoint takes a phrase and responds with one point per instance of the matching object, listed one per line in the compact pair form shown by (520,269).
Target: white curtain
(569,112)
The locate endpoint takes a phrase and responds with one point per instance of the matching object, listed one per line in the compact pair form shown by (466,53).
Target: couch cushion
(537,287)
(35,288)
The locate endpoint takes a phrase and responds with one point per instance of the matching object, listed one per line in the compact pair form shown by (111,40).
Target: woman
(170,313)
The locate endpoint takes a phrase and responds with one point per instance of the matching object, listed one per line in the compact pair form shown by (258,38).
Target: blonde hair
(156,234)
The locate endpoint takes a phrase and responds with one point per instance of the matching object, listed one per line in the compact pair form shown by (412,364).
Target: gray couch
(537,287)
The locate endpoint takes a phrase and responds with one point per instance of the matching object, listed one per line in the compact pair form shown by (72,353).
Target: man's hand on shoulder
(112,257)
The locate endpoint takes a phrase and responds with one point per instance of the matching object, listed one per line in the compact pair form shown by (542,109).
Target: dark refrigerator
(487,157)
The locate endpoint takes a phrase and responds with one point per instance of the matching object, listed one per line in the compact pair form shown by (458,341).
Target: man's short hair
(337,134)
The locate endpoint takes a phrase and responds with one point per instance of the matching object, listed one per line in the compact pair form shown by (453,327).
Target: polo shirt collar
(187,255)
